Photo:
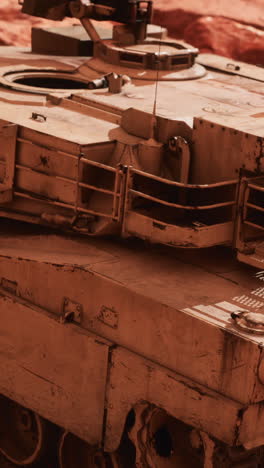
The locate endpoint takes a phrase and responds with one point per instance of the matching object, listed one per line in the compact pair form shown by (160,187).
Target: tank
(131,248)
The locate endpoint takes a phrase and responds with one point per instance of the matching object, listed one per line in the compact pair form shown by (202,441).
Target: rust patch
(258,116)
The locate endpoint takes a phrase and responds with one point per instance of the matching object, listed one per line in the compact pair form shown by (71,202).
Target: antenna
(156,87)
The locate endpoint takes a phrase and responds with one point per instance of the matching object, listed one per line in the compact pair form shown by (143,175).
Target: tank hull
(98,329)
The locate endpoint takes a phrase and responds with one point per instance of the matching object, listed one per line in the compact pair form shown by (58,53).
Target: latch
(71,311)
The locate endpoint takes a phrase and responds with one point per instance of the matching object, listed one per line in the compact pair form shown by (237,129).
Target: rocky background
(233,28)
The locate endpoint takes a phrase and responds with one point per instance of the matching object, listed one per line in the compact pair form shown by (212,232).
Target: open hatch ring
(42,80)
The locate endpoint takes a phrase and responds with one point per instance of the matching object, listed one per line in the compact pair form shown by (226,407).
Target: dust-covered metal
(75,452)
(123,353)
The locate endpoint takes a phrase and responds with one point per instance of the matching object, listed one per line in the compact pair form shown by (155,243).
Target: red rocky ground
(232,28)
